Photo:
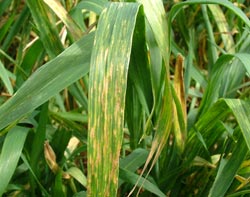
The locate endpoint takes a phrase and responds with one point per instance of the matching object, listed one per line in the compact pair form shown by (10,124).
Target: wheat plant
(124,98)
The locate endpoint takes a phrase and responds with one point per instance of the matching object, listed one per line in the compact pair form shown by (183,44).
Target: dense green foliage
(143,97)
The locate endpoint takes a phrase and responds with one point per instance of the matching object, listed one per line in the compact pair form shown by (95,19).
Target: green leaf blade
(10,154)
(51,78)
(5,78)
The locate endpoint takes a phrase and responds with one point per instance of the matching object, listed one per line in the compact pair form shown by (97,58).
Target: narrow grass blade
(5,78)
(139,72)
(37,150)
(219,78)
(244,58)
(47,30)
(5,28)
(155,60)
(32,56)
(58,187)
(224,178)
(155,67)
(189,63)
(48,80)
(223,28)
(157,23)
(61,12)
(241,112)
(10,154)
(3,6)
(134,114)
(38,140)
(139,98)
(133,161)
(228,170)
(176,8)
(212,50)
(213,89)
(107,88)
(208,128)
(77,91)
(155,15)
(34,175)
(131,177)
(15,28)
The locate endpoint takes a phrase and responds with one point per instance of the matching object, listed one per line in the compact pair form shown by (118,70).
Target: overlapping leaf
(48,81)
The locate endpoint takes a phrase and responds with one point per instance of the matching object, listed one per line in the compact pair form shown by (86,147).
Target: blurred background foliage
(124,98)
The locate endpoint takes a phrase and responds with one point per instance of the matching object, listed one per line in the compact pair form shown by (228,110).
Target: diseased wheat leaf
(134,98)
(108,83)
(226,32)
(179,111)
(61,12)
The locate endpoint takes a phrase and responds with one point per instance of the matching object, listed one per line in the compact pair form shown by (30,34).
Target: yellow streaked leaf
(62,13)
(180,121)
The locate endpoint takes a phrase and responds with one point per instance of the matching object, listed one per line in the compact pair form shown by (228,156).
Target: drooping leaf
(176,8)
(15,28)
(131,177)
(78,175)
(155,15)
(222,69)
(241,112)
(244,58)
(92,5)
(134,160)
(212,92)
(201,137)
(210,129)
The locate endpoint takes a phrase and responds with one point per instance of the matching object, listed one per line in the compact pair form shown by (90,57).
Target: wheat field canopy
(125,98)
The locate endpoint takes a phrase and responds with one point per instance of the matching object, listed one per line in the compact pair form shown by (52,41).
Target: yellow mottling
(92,133)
